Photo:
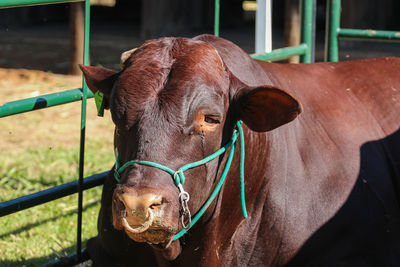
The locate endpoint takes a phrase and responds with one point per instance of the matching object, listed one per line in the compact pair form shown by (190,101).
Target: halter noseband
(179,178)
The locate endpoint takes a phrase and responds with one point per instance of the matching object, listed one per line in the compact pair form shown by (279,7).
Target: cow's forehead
(179,58)
(178,67)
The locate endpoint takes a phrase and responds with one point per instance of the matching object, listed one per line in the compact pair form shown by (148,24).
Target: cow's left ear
(265,108)
(100,79)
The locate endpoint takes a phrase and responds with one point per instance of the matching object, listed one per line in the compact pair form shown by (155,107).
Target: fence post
(307,29)
(216,17)
(264,26)
(83,129)
(333,8)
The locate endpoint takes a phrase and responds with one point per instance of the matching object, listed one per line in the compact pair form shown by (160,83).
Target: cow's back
(343,162)
(362,88)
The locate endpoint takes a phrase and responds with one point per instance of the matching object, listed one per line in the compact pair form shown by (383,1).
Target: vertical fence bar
(314,29)
(307,11)
(264,26)
(333,8)
(83,128)
(216,18)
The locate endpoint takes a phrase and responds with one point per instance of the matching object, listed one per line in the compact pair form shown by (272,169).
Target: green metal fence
(82,94)
(44,101)
(305,49)
(334,32)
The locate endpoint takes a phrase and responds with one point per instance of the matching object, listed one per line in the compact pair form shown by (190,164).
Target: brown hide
(322,190)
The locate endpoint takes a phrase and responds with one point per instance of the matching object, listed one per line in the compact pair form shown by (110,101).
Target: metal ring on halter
(183,195)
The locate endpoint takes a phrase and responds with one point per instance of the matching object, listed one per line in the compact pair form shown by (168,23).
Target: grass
(39,150)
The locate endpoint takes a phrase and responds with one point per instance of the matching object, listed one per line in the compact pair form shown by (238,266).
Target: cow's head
(176,101)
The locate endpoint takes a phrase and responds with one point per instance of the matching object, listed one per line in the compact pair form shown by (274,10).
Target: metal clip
(183,199)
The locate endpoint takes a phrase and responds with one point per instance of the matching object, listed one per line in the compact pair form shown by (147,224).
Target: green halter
(179,177)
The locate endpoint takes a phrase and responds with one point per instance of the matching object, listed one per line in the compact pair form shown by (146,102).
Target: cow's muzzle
(137,213)
(143,215)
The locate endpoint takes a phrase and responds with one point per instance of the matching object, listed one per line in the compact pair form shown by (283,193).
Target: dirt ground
(56,126)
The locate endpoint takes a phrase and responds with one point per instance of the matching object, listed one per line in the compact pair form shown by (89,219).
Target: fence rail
(21,3)
(47,195)
(43,101)
(371,35)
(334,32)
(282,53)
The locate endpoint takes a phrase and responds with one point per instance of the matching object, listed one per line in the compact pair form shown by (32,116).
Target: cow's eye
(211,119)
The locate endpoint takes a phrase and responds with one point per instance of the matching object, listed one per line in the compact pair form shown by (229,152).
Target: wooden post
(76,20)
(292,26)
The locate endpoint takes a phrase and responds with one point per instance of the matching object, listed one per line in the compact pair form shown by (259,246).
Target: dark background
(38,37)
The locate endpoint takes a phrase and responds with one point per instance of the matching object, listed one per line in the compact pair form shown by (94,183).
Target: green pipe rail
(47,195)
(43,101)
(21,3)
(334,32)
(306,47)
(305,50)
(282,53)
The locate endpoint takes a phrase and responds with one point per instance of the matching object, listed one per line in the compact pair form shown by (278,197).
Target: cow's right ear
(100,79)
(265,108)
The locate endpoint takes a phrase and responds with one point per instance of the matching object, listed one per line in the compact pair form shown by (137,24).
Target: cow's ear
(237,61)
(100,79)
(265,108)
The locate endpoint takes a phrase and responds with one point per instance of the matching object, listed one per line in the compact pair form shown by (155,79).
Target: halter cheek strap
(179,178)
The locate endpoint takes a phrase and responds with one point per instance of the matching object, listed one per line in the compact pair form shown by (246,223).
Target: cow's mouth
(154,236)
(153,231)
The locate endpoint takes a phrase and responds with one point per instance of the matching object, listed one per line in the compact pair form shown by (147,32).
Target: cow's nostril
(139,205)
(141,228)
(155,206)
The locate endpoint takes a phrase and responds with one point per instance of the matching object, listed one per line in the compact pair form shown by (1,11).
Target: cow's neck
(223,227)
(268,157)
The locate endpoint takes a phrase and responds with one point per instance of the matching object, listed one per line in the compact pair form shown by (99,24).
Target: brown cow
(322,190)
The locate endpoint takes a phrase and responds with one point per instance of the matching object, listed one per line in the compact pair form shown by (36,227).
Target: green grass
(46,232)
(39,150)
(37,169)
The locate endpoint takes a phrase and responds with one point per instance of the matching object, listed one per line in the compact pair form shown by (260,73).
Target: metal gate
(334,32)
(82,94)
(45,101)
